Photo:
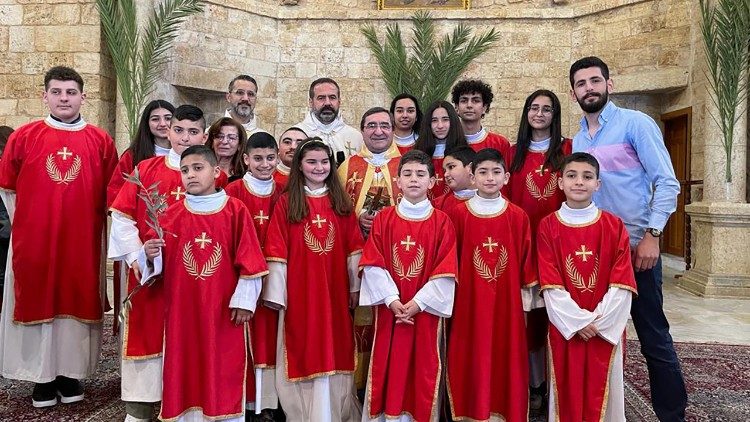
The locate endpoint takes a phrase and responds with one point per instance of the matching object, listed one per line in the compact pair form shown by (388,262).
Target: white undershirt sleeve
(565,314)
(436,296)
(9,198)
(124,242)
(352,266)
(274,293)
(149,269)
(613,311)
(377,287)
(246,293)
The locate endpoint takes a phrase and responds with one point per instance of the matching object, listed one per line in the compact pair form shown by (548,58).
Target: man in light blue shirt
(639,186)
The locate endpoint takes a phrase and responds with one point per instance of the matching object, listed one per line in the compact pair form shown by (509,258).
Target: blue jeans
(668,395)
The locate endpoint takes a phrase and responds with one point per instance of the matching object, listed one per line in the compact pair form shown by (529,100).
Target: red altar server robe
(60,177)
(116,182)
(584,260)
(317,308)
(487,361)
(440,188)
(405,364)
(265,321)
(406,144)
(491,140)
(281,177)
(447,202)
(205,353)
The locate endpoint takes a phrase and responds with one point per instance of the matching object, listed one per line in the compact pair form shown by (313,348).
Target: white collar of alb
(261,187)
(578,216)
(206,203)
(316,192)
(416,211)
(484,206)
(542,145)
(407,140)
(161,151)
(476,137)
(465,193)
(173,158)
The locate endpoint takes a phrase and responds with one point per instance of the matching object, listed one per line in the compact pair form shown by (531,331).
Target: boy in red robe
(588,284)
(457,167)
(487,369)
(472,99)
(258,191)
(409,275)
(53,181)
(212,266)
(288,143)
(142,335)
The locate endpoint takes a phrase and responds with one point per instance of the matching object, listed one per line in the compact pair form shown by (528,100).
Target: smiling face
(489,178)
(325,102)
(440,123)
(378,132)
(457,176)
(540,113)
(185,133)
(414,181)
(288,144)
(242,98)
(64,99)
(198,175)
(315,167)
(158,122)
(579,182)
(590,89)
(261,162)
(405,113)
(226,142)
(470,107)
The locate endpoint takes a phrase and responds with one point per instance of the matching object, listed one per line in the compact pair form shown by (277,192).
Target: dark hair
(247,78)
(470,86)
(587,62)
(142,145)
(488,154)
(427,141)
(238,164)
(418,121)
(323,81)
(554,156)
(419,157)
(189,112)
(5,132)
(202,150)
(62,73)
(464,154)
(261,140)
(298,210)
(370,112)
(581,157)
(295,128)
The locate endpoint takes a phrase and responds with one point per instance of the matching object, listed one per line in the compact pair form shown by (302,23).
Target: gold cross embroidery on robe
(71,174)
(260,217)
(416,266)
(574,275)
(210,266)
(549,188)
(312,242)
(480,265)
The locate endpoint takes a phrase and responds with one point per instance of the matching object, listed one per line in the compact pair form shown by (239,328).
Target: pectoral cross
(319,221)
(64,153)
(177,193)
(203,240)
(407,243)
(583,253)
(260,217)
(490,244)
(540,170)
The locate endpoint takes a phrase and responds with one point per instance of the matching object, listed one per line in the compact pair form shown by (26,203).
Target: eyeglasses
(242,93)
(546,110)
(382,126)
(228,138)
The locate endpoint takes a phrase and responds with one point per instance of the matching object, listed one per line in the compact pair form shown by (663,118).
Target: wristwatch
(654,232)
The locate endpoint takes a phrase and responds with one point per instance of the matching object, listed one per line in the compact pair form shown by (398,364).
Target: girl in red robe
(408,117)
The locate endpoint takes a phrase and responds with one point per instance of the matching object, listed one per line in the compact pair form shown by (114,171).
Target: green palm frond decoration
(433,66)
(139,58)
(725,27)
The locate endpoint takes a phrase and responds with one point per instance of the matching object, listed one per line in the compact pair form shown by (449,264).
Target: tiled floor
(698,319)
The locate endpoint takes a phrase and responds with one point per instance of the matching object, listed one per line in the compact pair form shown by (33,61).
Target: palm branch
(139,57)
(725,27)
(430,67)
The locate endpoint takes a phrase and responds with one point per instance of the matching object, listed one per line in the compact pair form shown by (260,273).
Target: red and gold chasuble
(585,260)
(317,310)
(264,325)
(493,140)
(448,201)
(116,182)
(362,180)
(205,353)
(59,175)
(405,364)
(403,149)
(440,188)
(487,361)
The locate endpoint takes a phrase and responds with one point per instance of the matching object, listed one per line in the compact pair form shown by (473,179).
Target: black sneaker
(70,390)
(44,395)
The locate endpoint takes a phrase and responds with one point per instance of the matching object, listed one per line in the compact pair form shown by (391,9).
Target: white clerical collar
(465,193)
(316,124)
(439,149)
(160,151)
(538,146)
(578,216)
(476,137)
(261,187)
(484,206)
(377,160)
(418,211)
(316,192)
(249,126)
(281,167)
(406,141)
(173,159)
(206,203)
(57,124)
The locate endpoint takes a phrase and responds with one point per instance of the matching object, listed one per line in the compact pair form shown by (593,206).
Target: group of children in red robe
(248,279)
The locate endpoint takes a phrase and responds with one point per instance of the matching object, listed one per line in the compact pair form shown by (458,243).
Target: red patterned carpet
(717,381)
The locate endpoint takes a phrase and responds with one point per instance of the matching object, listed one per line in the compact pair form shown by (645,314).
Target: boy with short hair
(258,191)
(487,360)
(588,284)
(142,338)
(288,143)
(409,274)
(457,166)
(212,267)
(52,317)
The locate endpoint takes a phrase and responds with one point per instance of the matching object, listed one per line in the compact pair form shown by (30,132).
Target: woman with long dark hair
(408,118)
(228,138)
(441,132)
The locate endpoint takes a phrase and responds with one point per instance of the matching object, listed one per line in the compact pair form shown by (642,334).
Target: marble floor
(697,319)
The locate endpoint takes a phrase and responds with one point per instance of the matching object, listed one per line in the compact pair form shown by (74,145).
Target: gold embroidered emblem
(314,244)
(415,268)
(577,279)
(583,252)
(54,172)
(177,193)
(208,268)
(548,191)
(353,181)
(484,270)
(260,217)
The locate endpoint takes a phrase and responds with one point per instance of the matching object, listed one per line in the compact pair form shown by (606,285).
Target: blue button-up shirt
(638,181)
